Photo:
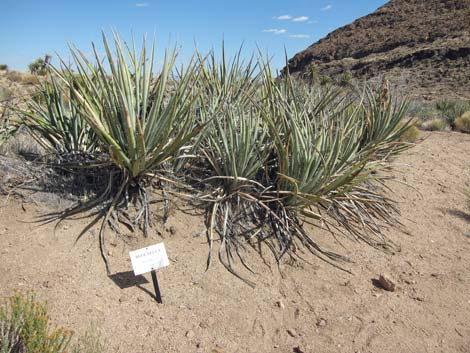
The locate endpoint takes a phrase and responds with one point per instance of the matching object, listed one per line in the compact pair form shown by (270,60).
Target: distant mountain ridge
(421,46)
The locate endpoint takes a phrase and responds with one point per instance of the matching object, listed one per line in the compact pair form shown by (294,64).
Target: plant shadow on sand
(460,214)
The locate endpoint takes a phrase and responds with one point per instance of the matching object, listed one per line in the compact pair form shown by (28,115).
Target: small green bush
(325,80)
(347,79)
(463,122)
(3,67)
(39,66)
(434,125)
(25,327)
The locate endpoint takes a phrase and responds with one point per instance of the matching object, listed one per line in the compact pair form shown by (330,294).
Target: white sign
(150,258)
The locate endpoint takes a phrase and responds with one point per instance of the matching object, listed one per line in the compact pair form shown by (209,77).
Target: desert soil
(299,307)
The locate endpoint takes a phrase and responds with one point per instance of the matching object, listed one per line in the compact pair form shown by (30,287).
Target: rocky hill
(421,46)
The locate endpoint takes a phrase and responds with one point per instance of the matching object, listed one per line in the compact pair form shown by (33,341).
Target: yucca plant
(141,121)
(285,154)
(7,127)
(235,151)
(385,123)
(54,119)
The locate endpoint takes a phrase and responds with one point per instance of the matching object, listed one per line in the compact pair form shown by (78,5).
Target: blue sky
(31,28)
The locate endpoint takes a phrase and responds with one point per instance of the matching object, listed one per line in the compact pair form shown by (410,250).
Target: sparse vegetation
(3,67)
(451,110)
(435,124)
(462,123)
(29,79)
(15,76)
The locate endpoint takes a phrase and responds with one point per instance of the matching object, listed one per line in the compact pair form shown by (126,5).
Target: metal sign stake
(158,295)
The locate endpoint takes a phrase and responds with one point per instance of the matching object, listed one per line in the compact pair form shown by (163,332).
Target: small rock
(110,253)
(46,284)
(140,299)
(190,334)
(122,299)
(172,230)
(280,304)
(291,332)
(321,322)
(276,346)
(386,283)
(218,349)
(298,350)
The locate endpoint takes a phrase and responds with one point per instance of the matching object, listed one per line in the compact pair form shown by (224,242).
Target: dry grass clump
(14,76)
(411,134)
(435,124)
(261,155)
(30,79)
(462,123)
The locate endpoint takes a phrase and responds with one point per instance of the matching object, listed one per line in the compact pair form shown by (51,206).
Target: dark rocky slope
(421,46)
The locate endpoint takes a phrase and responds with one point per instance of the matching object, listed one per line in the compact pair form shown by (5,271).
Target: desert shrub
(451,110)
(411,134)
(5,94)
(346,79)
(29,79)
(423,110)
(312,73)
(25,327)
(462,123)
(3,67)
(15,76)
(435,124)
(325,80)
(39,66)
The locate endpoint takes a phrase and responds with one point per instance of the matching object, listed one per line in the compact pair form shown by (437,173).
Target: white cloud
(275,31)
(142,4)
(300,19)
(283,17)
(312,22)
(327,7)
(299,36)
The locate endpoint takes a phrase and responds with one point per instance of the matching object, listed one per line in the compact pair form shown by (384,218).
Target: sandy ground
(305,308)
